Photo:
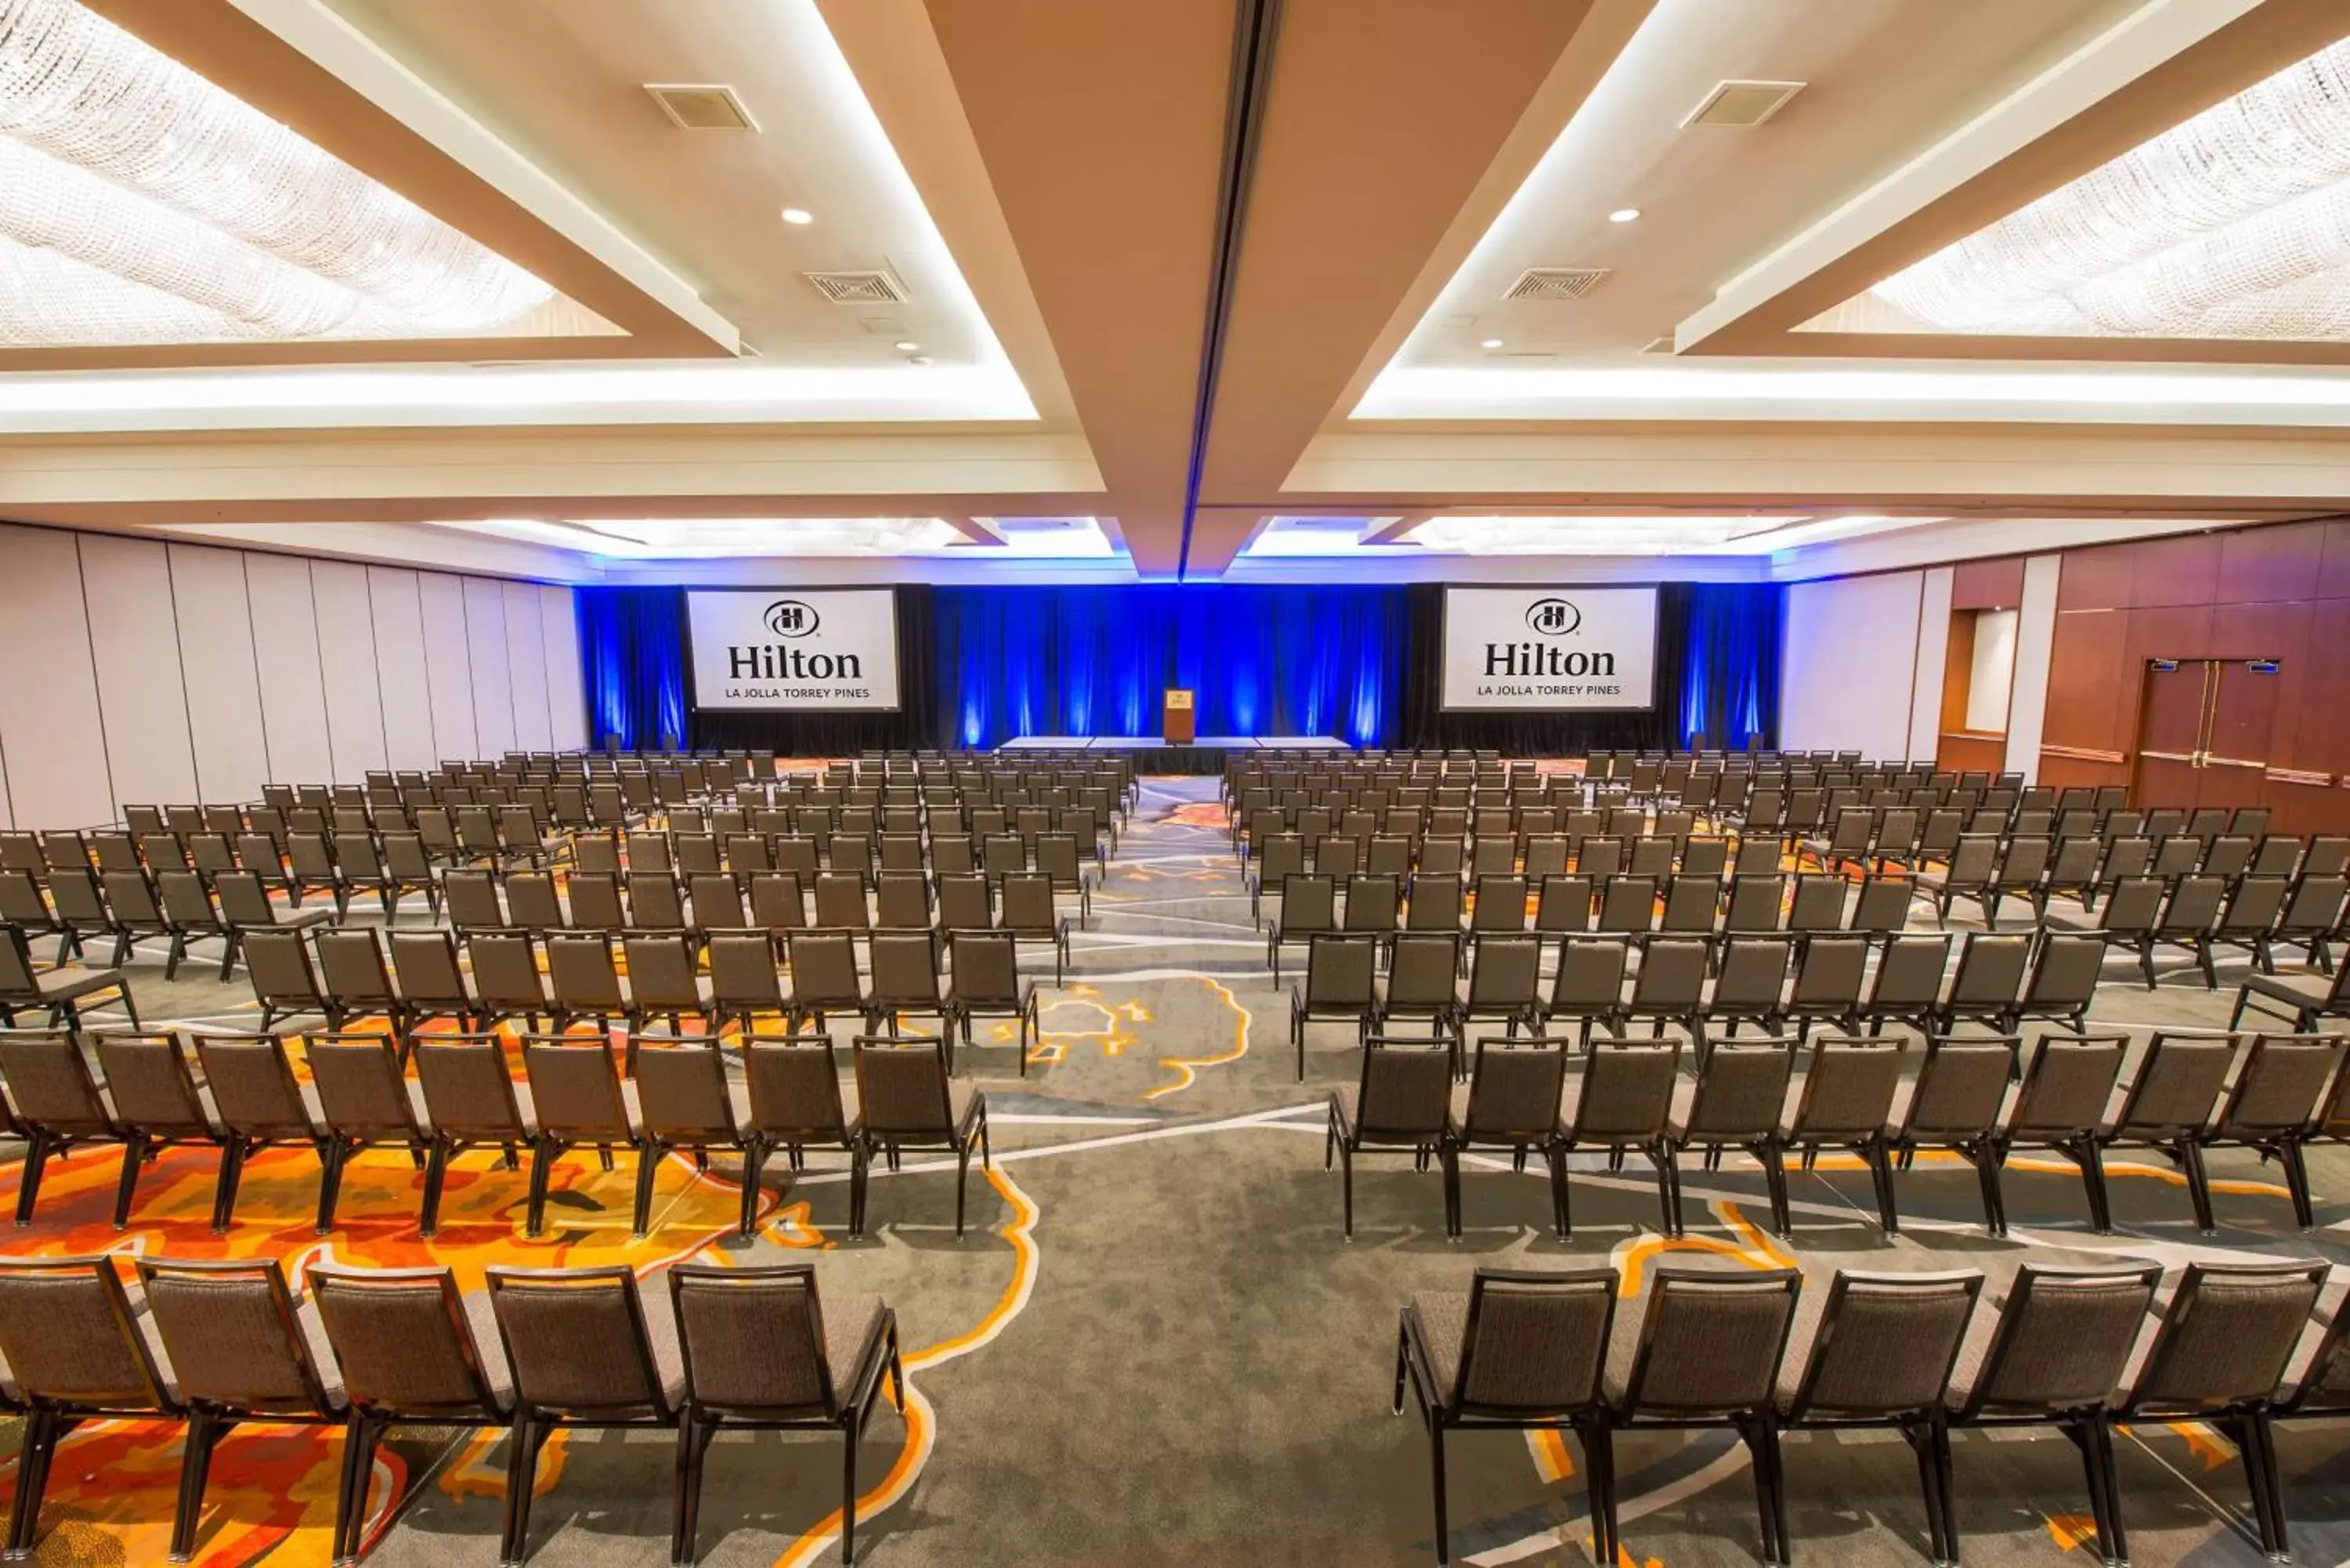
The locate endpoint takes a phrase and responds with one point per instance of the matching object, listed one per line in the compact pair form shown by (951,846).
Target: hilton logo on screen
(793,619)
(1542,655)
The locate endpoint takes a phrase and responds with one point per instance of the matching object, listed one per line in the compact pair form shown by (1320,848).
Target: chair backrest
(1711,1341)
(1741,1090)
(1405,1089)
(1516,1087)
(148,1079)
(2282,1084)
(596,901)
(681,1090)
(1626,1092)
(744,971)
(532,903)
(823,970)
(579,966)
(1628,904)
(467,1091)
(1589,982)
(71,1336)
(1506,972)
(1672,975)
(1340,970)
(1849,1083)
(986,968)
(1990,970)
(402,1340)
(2068,1085)
(753,1340)
(1436,903)
(2228,1334)
(2062,1340)
(49,1081)
(2180,1083)
(1886,1344)
(253,1085)
(360,1090)
(903,1087)
(575,1086)
(1028,903)
(662,970)
(1754,974)
(794,1086)
(1910,974)
(230,1332)
(905,967)
(576,1341)
(1534,1344)
(1371,903)
(2194,904)
(776,901)
(1961,1088)
(1818,904)
(351,965)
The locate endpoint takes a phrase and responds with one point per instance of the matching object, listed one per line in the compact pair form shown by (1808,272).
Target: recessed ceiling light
(1490,343)
(908,346)
(1624,215)
(798,215)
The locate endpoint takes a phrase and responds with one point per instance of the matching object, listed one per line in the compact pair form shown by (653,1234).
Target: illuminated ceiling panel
(139,204)
(1727,535)
(2234,224)
(723,538)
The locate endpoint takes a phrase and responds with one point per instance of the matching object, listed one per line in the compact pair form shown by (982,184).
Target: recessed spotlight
(798,216)
(1490,343)
(1624,215)
(908,346)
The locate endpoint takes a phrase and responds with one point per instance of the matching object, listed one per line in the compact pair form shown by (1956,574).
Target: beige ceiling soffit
(1606,29)
(2167,61)
(1971,539)
(1101,130)
(440,549)
(1381,118)
(894,53)
(301,64)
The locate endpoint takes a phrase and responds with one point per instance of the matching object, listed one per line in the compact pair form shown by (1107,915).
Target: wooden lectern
(1176,723)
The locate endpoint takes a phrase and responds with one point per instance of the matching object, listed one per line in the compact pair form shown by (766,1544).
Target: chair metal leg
(2199,1184)
(543,1154)
(2090,1155)
(1403,1361)
(204,1430)
(1667,1160)
(1988,1157)
(693,1435)
(1436,1473)
(649,1158)
(848,1499)
(2259,1429)
(134,1155)
(334,1153)
(1560,1211)
(436,1173)
(42,1429)
(2115,1544)
(1599,1457)
(962,1175)
(2296,1180)
(755,1159)
(522,1472)
(1880,1166)
(38,1145)
(1346,1185)
(1775,1178)
(1930,1486)
(231,1172)
(360,1436)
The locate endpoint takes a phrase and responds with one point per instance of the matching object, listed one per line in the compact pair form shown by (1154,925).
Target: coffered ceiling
(1263,289)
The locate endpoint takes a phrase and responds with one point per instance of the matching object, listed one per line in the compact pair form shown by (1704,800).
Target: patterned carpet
(1154,1347)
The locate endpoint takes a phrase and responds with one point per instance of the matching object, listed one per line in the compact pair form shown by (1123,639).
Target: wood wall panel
(2097,578)
(2262,564)
(2334,567)
(2321,738)
(1972,753)
(143,697)
(448,665)
(215,633)
(2182,570)
(1988,585)
(50,730)
(2089,678)
(287,663)
(492,684)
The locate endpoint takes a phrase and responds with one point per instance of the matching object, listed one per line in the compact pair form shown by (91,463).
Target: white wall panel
(566,701)
(448,665)
(526,667)
(2035,643)
(289,666)
(49,725)
(1933,653)
(346,620)
(1848,664)
(134,638)
(400,673)
(485,640)
(216,662)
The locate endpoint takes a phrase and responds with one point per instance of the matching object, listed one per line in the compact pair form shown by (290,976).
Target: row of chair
(1981,1098)
(222,1345)
(239,1093)
(1767,1352)
(414,978)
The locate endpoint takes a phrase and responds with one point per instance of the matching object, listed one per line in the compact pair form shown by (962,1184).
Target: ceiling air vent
(702,107)
(859,288)
(1556,282)
(1742,103)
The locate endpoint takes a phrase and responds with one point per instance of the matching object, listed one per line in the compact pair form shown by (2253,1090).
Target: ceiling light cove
(1752,534)
(2234,224)
(141,204)
(645,539)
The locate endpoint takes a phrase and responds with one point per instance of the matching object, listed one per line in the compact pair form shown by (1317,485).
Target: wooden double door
(2204,731)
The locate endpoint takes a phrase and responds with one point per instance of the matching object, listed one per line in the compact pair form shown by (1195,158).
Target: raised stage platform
(1207,754)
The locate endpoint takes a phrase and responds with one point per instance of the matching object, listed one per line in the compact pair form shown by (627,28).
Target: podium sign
(1178,722)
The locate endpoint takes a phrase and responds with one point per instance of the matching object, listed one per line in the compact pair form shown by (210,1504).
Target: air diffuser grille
(859,288)
(1556,282)
(702,107)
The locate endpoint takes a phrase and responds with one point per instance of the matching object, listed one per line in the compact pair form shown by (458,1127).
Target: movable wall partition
(979,666)
(134,670)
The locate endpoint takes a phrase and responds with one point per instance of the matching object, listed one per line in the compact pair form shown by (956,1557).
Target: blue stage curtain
(632,656)
(1094,661)
(1730,675)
